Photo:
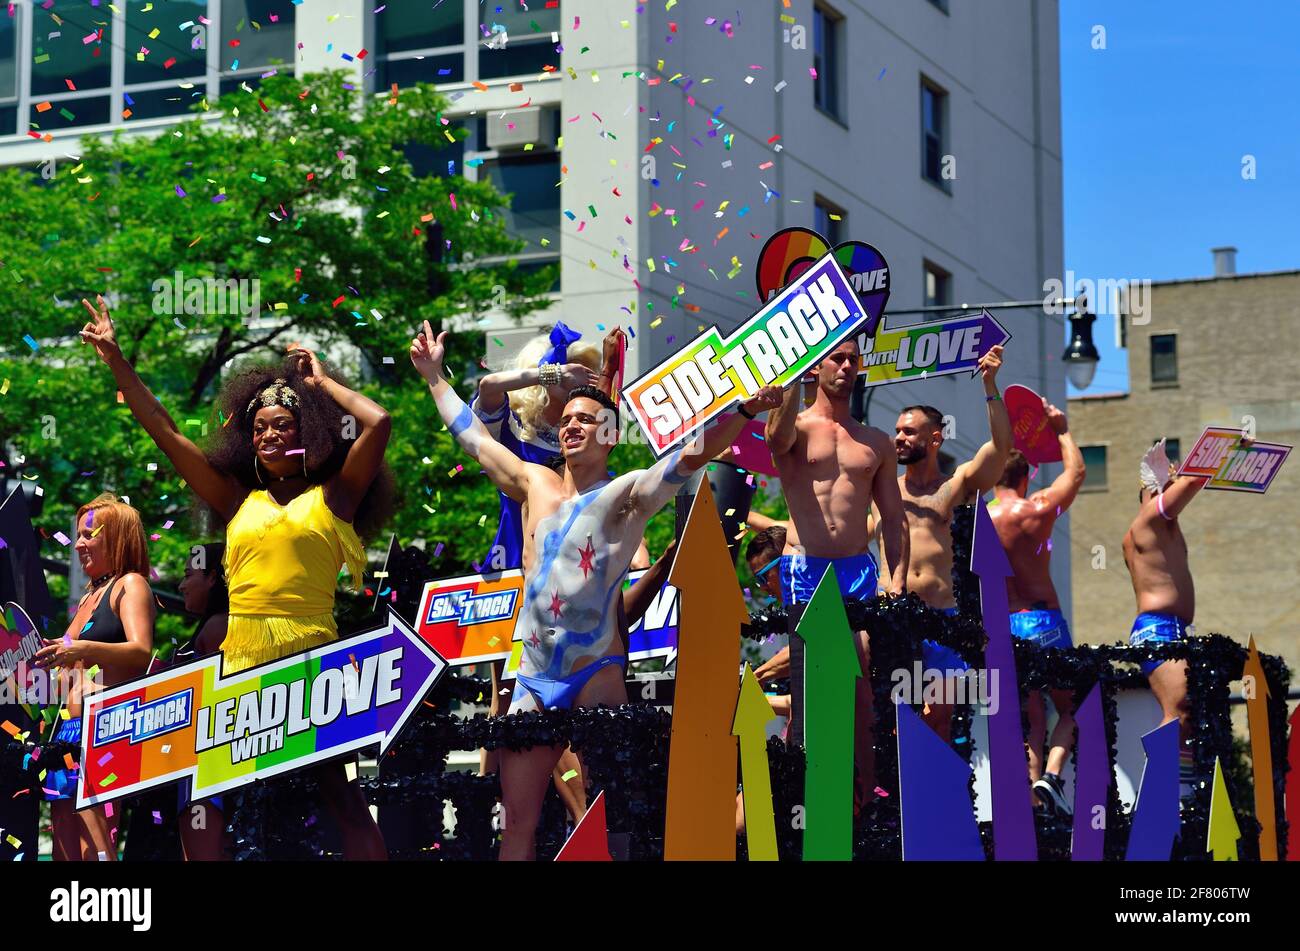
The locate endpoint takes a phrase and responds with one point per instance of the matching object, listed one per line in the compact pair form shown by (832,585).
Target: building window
(934,133)
(417,45)
(828,36)
(1094,457)
(527,45)
(92,64)
(1173,449)
(529,180)
(1164,358)
(829,220)
(940,5)
(9,71)
(938,285)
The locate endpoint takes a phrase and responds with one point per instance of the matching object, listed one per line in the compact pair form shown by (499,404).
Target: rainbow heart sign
(939,348)
(793,332)
(1231,463)
(471,619)
(786,255)
(19,640)
(223,732)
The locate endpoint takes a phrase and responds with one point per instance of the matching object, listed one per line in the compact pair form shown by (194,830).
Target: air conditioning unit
(515,129)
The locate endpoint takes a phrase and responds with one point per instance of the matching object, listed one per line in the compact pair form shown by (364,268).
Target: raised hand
(573,375)
(1055,418)
(310,368)
(990,363)
(427,353)
(611,345)
(769,397)
(99,331)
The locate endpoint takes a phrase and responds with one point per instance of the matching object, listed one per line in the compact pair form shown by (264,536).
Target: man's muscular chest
(829,451)
(928,503)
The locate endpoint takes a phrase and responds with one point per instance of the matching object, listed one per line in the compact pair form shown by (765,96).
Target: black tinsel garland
(626,751)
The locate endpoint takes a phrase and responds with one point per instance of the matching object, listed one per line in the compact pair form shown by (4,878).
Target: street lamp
(1081,355)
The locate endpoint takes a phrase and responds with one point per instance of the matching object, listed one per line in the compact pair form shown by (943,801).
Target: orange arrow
(701,812)
(1261,754)
(750,724)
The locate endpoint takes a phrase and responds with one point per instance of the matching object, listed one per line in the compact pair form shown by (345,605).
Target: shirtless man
(929,498)
(581,532)
(1025,527)
(1156,555)
(831,468)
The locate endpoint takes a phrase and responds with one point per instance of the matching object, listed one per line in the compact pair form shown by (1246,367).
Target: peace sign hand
(99,332)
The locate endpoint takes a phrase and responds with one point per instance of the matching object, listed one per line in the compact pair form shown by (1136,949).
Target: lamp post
(1080,357)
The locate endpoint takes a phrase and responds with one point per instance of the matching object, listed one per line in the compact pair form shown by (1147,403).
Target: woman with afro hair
(298,463)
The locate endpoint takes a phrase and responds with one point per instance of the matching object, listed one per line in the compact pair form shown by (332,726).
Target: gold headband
(277,393)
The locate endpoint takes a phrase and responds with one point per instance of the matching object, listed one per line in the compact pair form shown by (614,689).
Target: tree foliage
(303,191)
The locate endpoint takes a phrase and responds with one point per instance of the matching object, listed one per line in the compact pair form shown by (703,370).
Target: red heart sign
(1029,428)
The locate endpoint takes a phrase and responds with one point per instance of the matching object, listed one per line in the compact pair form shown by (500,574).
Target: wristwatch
(746,413)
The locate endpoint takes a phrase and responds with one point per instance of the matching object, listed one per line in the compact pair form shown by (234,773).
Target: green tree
(300,192)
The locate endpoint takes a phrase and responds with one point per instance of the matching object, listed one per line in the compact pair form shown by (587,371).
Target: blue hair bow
(561,337)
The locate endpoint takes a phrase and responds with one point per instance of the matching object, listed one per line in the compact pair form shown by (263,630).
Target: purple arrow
(1091,780)
(938,821)
(1013,817)
(992,334)
(1155,817)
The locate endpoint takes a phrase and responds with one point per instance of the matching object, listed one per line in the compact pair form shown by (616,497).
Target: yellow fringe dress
(282,566)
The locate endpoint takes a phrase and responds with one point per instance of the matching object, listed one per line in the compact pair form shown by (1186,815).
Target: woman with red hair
(109,641)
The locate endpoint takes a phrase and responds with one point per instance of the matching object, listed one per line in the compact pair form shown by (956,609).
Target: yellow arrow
(1223,835)
(1261,754)
(700,820)
(750,724)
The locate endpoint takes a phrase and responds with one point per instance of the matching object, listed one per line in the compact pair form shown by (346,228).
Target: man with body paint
(1155,552)
(581,532)
(1024,525)
(832,467)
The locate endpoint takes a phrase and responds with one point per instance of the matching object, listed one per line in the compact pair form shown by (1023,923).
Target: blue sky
(1154,131)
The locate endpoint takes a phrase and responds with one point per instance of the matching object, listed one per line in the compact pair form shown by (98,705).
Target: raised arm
(345,490)
(223,494)
(1178,496)
(653,487)
(983,471)
(888,502)
(494,388)
(506,470)
(1064,487)
(611,363)
(780,432)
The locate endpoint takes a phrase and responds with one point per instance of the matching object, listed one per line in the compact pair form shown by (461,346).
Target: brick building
(1213,352)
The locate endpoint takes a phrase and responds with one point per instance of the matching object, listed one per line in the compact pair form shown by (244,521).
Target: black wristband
(746,413)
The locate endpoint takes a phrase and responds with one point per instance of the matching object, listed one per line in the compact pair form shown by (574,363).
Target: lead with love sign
(225,731)
(794,331)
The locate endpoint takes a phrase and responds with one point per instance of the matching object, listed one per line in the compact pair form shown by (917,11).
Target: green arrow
(831,671)
(750,724)
(1223,835)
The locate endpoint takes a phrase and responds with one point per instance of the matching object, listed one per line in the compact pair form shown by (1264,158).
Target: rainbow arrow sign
(227,731)
(934,349)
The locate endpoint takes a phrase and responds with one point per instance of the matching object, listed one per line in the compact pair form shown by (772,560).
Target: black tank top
(105,627)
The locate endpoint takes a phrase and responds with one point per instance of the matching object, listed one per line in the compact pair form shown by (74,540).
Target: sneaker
(1052,795)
